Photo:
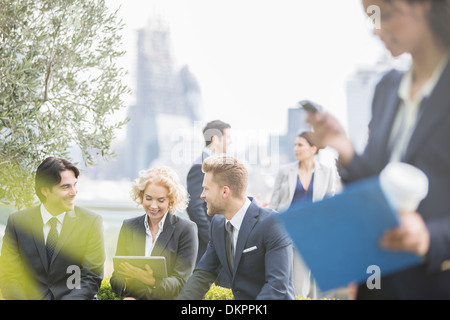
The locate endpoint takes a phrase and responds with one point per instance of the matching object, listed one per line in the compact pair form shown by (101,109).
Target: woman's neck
(306,165)
(426,61)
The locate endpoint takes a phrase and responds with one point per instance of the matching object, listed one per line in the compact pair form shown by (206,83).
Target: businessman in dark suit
(54,251)
(410,123)
(245,240)
(217,139)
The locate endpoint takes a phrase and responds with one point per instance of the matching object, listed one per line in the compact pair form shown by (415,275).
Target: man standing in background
(217,139)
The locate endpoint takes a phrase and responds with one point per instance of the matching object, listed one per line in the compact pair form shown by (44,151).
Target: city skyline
(258,58)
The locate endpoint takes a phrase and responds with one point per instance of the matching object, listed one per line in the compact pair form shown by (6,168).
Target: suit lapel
(70,220)
(138,234)
(37,230)
(250,219)
(381,137)
(165,236)
(293,174)
(434,110)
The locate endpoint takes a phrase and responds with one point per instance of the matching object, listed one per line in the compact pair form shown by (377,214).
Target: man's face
(225,140)
(222,141)
(60,198)
(213,195)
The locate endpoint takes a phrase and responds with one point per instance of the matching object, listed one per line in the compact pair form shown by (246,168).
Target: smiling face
(60,198)
(213,195)
(155,201)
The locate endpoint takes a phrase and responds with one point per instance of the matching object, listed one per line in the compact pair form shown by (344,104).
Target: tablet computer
(156,263)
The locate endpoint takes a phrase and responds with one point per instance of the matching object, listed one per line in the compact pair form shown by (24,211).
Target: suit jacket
(177,243)
(26,273)
(196,208)
(429,151)
(326,183)
(262,264)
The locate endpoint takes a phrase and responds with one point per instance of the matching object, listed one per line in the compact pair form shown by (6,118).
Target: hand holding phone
(310,106)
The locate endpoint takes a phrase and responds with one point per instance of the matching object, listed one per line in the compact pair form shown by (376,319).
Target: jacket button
(445,265)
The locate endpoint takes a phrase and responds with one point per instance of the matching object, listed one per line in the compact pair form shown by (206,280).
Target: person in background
(217,139)
(159,232)
(410,123)
(54,251)
(245,239)
(304,180)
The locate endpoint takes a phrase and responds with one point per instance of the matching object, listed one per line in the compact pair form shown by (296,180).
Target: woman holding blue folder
(410,123)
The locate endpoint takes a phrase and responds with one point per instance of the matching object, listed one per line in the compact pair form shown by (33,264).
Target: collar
(208,151)
(405,84)
(160,223)
(46,216)
(237,219)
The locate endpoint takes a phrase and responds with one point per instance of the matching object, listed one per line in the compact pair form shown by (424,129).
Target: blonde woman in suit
(158,232)
(303,180)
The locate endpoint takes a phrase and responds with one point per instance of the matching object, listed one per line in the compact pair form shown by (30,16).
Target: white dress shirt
(237,219)
(46,216)
(149,243)
(408,112)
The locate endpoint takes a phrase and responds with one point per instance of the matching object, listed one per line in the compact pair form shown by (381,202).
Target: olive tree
(60,87)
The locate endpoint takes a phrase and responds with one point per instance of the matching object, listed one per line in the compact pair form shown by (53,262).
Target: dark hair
(438,18)
(309,137)
(214,128)
(48,174)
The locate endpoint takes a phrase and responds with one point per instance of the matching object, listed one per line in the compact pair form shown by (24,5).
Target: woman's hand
(145,276)
(329,132)
(412,235)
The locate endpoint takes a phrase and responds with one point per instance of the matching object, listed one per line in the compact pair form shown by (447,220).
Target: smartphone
(310,106)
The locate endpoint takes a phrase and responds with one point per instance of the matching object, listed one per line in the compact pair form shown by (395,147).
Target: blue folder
(338,237)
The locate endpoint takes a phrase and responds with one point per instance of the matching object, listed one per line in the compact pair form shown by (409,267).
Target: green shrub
(218,293)
(215,292)
(106,292)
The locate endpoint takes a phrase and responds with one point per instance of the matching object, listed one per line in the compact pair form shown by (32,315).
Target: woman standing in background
(304,180)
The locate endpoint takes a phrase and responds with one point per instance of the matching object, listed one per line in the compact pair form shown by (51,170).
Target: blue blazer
(263,260)
(429,151)
(197,207)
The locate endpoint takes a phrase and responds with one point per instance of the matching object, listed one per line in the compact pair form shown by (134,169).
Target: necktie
(229,245)
(51,239)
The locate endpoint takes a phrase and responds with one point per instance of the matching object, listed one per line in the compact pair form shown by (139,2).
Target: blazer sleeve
(186,255)
(277,190)
(15,282)
(204,274)
(278,283)
(117,281)
(196,208)
(92,267)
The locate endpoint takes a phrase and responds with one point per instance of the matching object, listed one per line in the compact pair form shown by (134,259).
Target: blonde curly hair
(167,177)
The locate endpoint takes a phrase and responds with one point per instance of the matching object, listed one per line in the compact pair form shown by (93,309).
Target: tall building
(164,95)
(167,98)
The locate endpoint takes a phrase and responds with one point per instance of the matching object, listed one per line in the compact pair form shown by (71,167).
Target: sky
(254,59)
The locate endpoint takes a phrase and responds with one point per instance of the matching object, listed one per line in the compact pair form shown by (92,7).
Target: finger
(149,270)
